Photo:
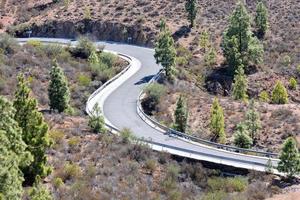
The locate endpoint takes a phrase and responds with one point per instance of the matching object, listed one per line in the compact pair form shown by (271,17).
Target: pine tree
(261,19)
(238,45)
(252,120)
(279,94)
(96,120)
(242,138)
(162,25)
(59,94)
(217,124)
(204,40)
(191,9)
(181,115)
(13,154)
(289,158)
(240,84)
(34,131)
(165,52)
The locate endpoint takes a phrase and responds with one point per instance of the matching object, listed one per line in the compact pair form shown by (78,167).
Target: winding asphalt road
(120,108)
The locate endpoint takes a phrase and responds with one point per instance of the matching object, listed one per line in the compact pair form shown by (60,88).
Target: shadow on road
(145,79)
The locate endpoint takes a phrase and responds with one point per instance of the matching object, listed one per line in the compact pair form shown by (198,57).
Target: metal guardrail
(178,134)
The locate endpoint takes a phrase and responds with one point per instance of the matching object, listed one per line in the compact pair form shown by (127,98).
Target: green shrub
(215,195)
(53,50)
(237,184)
(286,60)
(84,48)
(57,182)
(71,171)
(84,80)
(109,59)
(279,94)
(8,44)
(298,69)
(151,165)
(35,43)
(264,97)
(126,135)
(293,83)
(73,141)
(153,94)
(210,57)
(56,135)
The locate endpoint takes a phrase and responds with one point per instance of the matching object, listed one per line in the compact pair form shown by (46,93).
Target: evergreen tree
(217,124)
(165,52)
(191,9)
(242,138)
(279,94)
(204,40)
(59,94)
(240,84)
(96,120)
(261,19)
(181,115)
(210,57)
(238,45)
(34,131)
(289,158)
(13,154)
(252,120)
(162,25)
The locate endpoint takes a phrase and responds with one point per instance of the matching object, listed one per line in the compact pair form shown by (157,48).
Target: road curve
(120,109)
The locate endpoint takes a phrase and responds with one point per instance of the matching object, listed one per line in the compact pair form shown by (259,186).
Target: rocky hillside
(137,21)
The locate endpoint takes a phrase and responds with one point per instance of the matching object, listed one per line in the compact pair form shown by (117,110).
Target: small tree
(293,83)
(204,40)
(217,124)
(242,138)
(279,94)
(165,52)
(211,57)
(181,115)
(96,120)
(238,44)
(252,120)
(289,158)
(261,19)
(58,91)
(34,131)
(240,84)
(13,154)
(191,9)
(264,97)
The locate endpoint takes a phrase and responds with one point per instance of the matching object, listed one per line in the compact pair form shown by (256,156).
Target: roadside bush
(126,135)
(84,48)
(293,83)
(153,94)
(8,44)
(35,43)
(108,59)
(53,50)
